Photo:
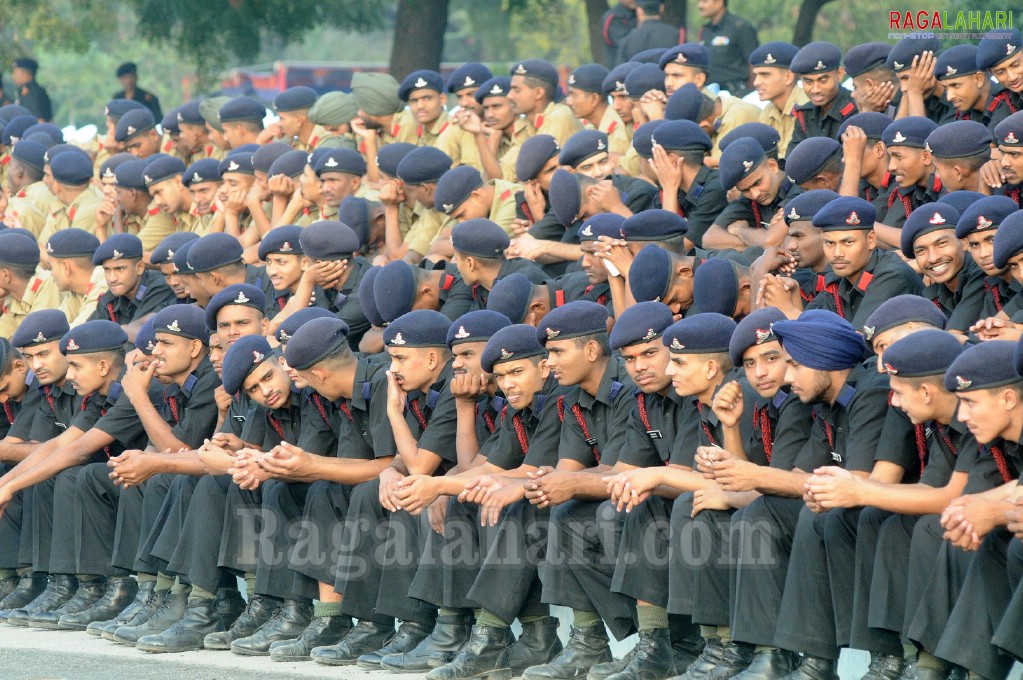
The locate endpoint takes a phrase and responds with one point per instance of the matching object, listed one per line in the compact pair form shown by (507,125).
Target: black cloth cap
(454,187)
(644,78)
(162,168)
(741,158)
(472,74)
(705,333)
(214,251)
(808,157)
(642,322)
(602,224)
(242,294)
(283,240)
(133,123)
(476,326)
(804,206)
(910,131)
(816,57)
(533,155)
(716,286)
(165,251)
(846,213)
(295,98)
(755,329)
(314,340)
(997,46)
(900,310)
(98,335)
(418,328)
(480,237)
(118,247)
(582,145)
(862,58)
(926,352)
(423,165)
(186,321)
(511,296)
(72,242)
(588,77)
(39,328)
(393,290)
(510,343)
(574,320)
(901,57)
(420,80)
(654,224)
(778,54)
(289,326)
(241,359)
(925,219)
(958,139)
(205,170)
(241,109)
(985,213)
(983,367)
(650,274)
(391,155)
(330,240)
(681,135)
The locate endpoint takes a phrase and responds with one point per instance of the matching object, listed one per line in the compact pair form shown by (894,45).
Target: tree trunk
(418,36)
(808,11)
(594,13)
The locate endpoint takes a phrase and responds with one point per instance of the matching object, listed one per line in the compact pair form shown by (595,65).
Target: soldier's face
(848,251)
(268,385)
(524,98)
(337,186)
(128,200)
(237,181)
(597,167)
(498,113)
(467,100)
(805,243)
(309,185)
(472,208)
(174,282)
(466,358)
(939,255)
(911,399)
(123,276)
(413,367)
(581,102)
(808,384)
(761,185)
(622,104)
(1015,267)
(194,136)
(1011,163)
(821,88)
(677,75)
(765,367)
(143,145)
(83,373)
(236,321)
(284,271)
(567,361)
(195,289)
(1009,73)
(520,380)
(46,361)
(217,137)
(964,92)
(647,363)
(173,354)
(981,246)
(12,383)
(426,105)
(596,273)
(908,166)
(217,351)
(691,374)
(204,194)
(987,414)
(21,76)
(546,172)
(771,82)
(291,122)
(48,177)
(169,194)
(710,8)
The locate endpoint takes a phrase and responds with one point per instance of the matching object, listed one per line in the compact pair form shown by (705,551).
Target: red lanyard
(520,433)
(762,421)
(275,423)
(172,402)
(414,405)
(706,428)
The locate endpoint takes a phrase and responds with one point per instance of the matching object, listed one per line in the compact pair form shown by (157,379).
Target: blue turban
(821,340)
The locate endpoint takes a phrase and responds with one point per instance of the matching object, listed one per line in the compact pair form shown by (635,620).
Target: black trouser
(315,553)
(1007,636)
(283,506)
(198,532)
(62,537)
(848,570)
(157,505)
(240,546)
(380,551)
(10,527)
(932,604)
(700,571)
(641,571)
(765,544)
(878,614)
(97,499)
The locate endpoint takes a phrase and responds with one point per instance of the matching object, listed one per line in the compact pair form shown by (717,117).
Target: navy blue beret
(39,328)
(872,123)
(533,155)
(816,57)
(955,62)
(1010,131)
(420,80)
(684,103)
(314,340)
(803,207)
(480,237)
(214,251)
(573,320)
(582,145)
(755,329)
(72,242)
(9,111)
(18,249)
(98,335)
(511,296)
(169,123)
(602,224)
(510,343)
(289,164)
(681,135)
(186,321)
(454,187)
(926,352)
(418,328)
(282,240)
(131,175)
(295,99)
(476,326)
(355,212)
(394,290)
(643,137)
(704,333)
(118,247)
(366,299)
(862,58)
(180,258)
(909,131)
(914,45)
(778,54)
(57,149)
(650,274)
(472,74)
(249,148)
(165,251)
(766,135)
(241,359)
(925,219)
(189,113)
(650,56)
(116,108)
(424,165)
(133,123)
(536,68)
(614,81)
(241,294)
(498,86)
(107,167)
(145,337)
(205,170)
(808,157)
(329,240)
(15,128)
(642,322)
(958,139)
(644,78)
(73,168)
(290,326)
(1008,239)
(654,224)
(55,134)
(341,161)
(565,197)
(588,77)
(985,213)
(241,108)
(239,162)
(846,213)
(30,153)
(163,168)
(741,158)
(997,46)
(265,155)
(686,54)
(982,367)
(716,286)
(961,199)
(900,310)
(391,155)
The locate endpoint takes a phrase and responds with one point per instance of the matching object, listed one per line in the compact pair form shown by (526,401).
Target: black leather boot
(735,659)
(884,667)
(118,594)
(408,636)
(687,645)
(170,612)
(538,644)
(187,633)
(586,648)
(913,672)
(321,631)
(770,664)
(154,600)
(362,639)
(258,611)
(816,668)
(436,649)
(652,657)
(88,594)
(140,594)
(712,654)
(8,585)
(29,588)
(287,624)
(58,592)
(485,656)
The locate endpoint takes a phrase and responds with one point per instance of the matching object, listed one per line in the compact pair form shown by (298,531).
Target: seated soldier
(339,172)
(977,227)
(423,92)
(163,258)
(242,121)
(136,132)
(912,59)
(133,293)
(533,89)
(497,131)
(24,290)
(462,194)
(419,172)
(137,213)
(818,67)
(967,88)
(463,83)
(723,286)
(816,163)
(479,246)
(397,290)
(76,198)
(959,149)
(865,159)
(912,170)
